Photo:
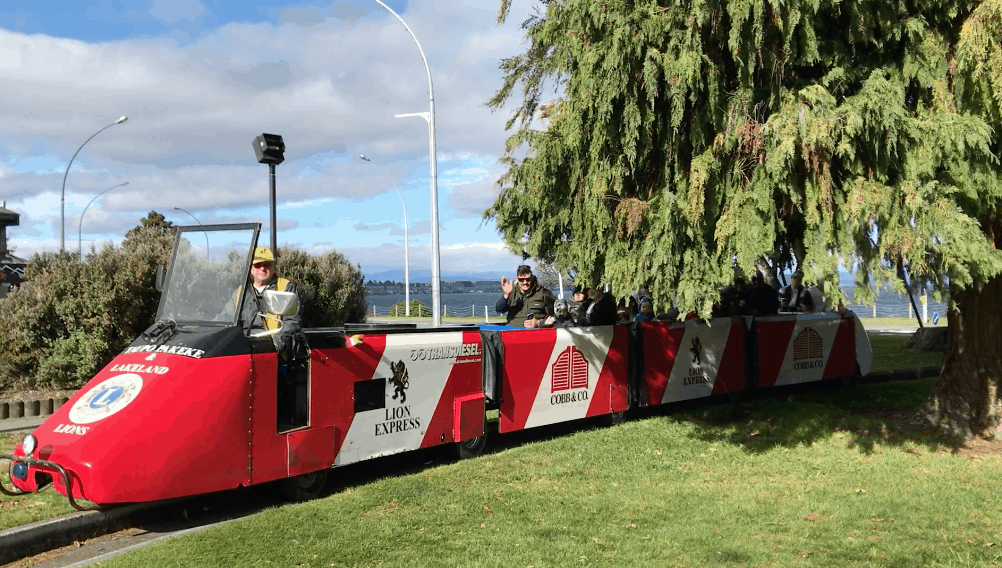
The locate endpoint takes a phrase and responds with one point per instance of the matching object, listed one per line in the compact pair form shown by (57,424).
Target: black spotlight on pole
(270,149)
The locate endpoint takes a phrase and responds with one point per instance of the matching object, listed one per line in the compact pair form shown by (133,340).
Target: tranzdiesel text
(445,352)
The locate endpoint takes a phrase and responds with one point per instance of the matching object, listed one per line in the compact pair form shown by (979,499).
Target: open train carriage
(195,405)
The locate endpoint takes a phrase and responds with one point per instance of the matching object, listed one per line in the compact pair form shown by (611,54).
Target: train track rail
(151,522)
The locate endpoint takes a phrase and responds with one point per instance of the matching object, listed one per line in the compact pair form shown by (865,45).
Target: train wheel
(471,448)
(615,418)
(303,487)
(850,381)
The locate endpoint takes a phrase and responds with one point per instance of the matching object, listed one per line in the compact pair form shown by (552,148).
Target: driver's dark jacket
(537,301)
(251,319)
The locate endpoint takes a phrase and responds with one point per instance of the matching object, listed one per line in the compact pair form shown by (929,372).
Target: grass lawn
(889,356)
(813,479)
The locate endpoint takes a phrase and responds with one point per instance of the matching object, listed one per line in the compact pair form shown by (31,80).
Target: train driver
(262,277)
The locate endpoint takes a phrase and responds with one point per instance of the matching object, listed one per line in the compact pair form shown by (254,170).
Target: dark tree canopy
(683,137)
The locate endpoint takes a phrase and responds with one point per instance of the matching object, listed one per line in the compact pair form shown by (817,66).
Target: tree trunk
(965,402)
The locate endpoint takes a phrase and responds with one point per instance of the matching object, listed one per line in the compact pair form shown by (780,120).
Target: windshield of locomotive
(208,270)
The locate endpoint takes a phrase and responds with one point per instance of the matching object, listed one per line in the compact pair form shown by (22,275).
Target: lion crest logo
(399,380)
(696,350)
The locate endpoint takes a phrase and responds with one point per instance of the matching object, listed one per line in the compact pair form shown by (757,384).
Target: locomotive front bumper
(22,472)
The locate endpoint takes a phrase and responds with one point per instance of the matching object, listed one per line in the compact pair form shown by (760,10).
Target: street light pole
(62,194)
(203,232)
(80,228)
(407,262)
(436,270)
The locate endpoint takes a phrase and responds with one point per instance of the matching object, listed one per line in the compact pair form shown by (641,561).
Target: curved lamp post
(80,228)
(203,232)
(62,194)
(407,274)
(436,270)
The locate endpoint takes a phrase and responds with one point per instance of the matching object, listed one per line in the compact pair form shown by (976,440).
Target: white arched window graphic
(807,345)
(569,371)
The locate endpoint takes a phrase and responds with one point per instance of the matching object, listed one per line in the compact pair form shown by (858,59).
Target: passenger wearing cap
(578,297)
(252,317)
(646,312)
(562,311)
(600,310)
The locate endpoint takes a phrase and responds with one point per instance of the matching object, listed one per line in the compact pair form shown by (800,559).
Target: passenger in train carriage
(722,307)
(601,310)
(764,298)
(579,296)
(529,298)
(821,304)
(646,311)
(623,315)
(796,298)
(741,297)
(562,311)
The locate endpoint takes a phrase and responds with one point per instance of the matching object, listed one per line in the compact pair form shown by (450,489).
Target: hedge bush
(418,309)
(331,289)
(69,319)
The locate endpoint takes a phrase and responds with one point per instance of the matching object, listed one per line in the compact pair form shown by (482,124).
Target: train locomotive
(195,405)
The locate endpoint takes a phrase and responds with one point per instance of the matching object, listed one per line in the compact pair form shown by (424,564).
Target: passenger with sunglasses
(262,277)
(528,298)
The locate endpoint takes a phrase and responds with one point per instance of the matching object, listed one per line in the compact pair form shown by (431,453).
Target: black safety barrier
(492,366)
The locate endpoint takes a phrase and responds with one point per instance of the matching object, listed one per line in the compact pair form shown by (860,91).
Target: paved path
(15,424)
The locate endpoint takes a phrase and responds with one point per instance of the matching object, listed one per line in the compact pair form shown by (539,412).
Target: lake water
(888,304)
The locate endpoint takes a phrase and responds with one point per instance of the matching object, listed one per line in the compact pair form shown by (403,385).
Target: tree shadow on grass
(873,415)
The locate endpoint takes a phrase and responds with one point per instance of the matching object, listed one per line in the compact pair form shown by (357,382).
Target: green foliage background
(331,289)
(69,319)
(687,135)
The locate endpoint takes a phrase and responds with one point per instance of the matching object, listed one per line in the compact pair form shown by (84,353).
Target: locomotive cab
(175,413)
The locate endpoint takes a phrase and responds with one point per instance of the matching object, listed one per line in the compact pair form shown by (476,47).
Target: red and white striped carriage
(193,406)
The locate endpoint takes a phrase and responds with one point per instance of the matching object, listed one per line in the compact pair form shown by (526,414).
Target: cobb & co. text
(567,397)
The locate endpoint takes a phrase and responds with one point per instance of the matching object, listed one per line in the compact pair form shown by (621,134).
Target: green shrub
(331,289)
(418,309)
(69,319)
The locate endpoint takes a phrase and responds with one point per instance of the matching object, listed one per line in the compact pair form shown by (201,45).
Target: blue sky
(199,79)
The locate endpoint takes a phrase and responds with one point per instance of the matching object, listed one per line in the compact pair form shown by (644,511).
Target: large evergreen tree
(684,137)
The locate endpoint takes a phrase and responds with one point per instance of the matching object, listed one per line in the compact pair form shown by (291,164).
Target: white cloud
(328,79)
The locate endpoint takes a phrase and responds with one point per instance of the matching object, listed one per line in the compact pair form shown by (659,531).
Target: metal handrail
(45,464)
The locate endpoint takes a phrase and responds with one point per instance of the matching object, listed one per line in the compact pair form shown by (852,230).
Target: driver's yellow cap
(263,254)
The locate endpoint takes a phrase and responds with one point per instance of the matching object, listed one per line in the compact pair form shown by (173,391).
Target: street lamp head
(270,149)
(121,120)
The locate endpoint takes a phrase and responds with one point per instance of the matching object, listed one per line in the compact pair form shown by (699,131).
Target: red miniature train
(194,406)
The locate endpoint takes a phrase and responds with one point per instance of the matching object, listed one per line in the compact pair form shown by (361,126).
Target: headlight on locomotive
(28,444)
